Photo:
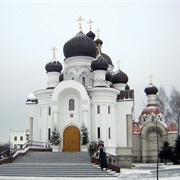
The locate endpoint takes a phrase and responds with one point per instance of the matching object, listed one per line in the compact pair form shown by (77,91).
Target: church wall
(104,97)
(63,117)
(136,148)
(78,67)
(171,137)
(40,122)
(123,108)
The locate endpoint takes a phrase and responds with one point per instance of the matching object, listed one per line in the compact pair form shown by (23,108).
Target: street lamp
(157,138)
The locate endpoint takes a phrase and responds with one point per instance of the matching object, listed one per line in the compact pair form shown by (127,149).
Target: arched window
(98,109)
(49,111)
(49,133)
(109,132)
(71,105)
(83,81)
(98,132)
(109,109)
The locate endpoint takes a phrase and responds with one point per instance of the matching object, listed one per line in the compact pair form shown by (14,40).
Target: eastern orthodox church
(86,91)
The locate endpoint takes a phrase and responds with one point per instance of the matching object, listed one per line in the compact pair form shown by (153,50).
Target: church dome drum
(54,66)
(119,77)
(80,45)
(151,89)
(99,64)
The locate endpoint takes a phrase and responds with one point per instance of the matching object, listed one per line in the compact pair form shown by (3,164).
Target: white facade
(18,138)
(96,104)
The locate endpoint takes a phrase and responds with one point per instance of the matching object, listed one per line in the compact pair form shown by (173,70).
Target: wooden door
(71,139)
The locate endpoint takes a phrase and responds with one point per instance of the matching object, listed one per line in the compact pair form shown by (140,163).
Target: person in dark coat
(103,160)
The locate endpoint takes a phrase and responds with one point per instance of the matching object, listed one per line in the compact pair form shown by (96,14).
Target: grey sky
(143,35)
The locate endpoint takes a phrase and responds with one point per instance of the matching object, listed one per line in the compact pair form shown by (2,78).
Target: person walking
(103,160)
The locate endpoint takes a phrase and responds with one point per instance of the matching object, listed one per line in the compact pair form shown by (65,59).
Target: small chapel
(150,130)
(85,90)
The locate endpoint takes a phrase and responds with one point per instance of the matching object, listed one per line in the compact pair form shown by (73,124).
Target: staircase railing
(113,162)
(21,149)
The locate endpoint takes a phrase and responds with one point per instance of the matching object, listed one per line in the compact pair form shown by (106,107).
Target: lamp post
(178,121)
(157,138)
(157,167)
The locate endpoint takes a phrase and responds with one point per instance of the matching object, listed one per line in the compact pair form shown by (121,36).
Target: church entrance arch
(71,139)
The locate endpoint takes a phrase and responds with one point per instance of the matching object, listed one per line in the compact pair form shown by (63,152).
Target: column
(31,128)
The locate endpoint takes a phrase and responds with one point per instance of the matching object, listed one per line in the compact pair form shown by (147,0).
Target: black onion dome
(127,87)
(54,66)
(99,64)
(108,59)
(80,45)
(98,41)
(91,35)
(151,89)
(32,99)
(108,76)
(119,77)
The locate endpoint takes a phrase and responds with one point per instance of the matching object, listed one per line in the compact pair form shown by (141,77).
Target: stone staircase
(48,164)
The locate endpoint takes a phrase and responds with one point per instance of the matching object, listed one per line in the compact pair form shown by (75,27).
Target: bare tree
(174,104)
(163,103)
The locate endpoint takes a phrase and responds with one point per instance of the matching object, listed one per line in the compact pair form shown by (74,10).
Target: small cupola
(53,70)
(54,65)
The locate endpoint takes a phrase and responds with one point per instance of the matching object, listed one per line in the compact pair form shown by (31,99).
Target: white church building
(86,91)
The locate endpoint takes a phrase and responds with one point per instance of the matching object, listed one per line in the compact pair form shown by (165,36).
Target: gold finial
(118,62)
(90,24)
(150,77)
(99,49)
(53,50)
(98,31)
(80,19)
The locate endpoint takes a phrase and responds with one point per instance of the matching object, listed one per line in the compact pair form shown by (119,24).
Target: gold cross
(90,24)
(150,77)
(80,19)
(118,62)
(53,50)
(98,31)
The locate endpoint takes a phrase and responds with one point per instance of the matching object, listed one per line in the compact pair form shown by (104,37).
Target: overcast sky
(143,35)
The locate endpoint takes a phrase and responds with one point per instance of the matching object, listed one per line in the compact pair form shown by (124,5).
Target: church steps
(60,170)
(49,164)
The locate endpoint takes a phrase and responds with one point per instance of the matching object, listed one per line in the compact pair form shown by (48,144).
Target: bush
(84,135)
(166,152)
(55,138)
(92,148)
(176,151)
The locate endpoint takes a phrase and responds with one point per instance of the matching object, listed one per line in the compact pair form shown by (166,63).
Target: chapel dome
(91,35)
(99,64)
(31,99)
(53,66)
(151,89)
(108,59)
(80,45)
(99,42)
(119,77)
